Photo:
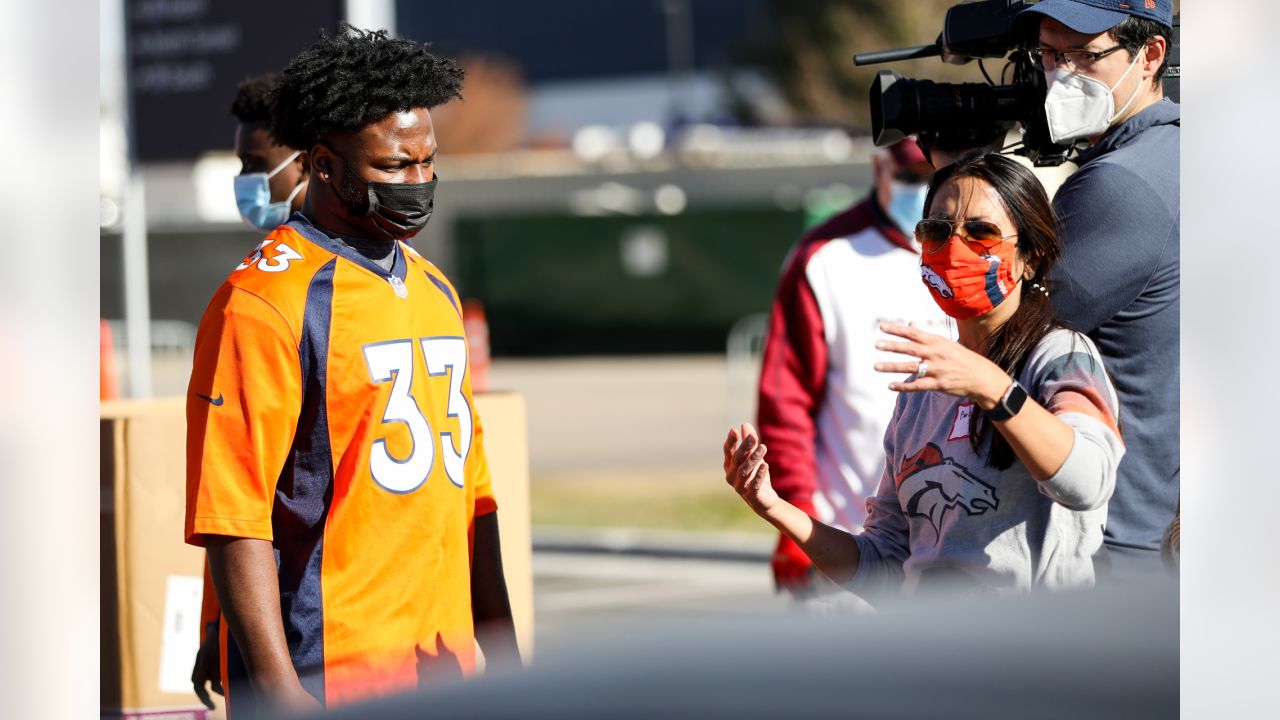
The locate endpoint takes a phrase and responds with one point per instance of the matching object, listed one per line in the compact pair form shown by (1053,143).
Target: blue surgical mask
(906,205)
(253,197)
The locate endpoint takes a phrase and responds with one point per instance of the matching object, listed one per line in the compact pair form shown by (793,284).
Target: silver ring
(922,369)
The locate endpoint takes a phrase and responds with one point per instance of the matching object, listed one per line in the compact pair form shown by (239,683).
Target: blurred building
(617,179)
(666,62)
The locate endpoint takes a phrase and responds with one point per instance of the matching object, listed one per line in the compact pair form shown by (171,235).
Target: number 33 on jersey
(393,362)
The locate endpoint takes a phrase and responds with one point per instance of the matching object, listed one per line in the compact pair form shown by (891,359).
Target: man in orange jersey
(336,468)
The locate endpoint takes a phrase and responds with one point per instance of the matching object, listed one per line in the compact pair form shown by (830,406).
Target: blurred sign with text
(186,57)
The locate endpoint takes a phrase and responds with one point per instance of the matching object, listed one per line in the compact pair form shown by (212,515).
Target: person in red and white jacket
(822,408)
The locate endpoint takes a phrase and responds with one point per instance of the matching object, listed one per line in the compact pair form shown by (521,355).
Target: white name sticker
(181,638)
(960,426)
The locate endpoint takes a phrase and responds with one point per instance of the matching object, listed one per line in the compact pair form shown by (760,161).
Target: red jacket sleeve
(793,375)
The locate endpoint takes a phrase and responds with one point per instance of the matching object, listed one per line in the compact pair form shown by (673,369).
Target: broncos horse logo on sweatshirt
(930,486)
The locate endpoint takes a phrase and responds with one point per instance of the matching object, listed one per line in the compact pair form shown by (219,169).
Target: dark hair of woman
(1028,206)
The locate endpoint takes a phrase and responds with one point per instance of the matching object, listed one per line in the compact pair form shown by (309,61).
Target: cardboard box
(506,441)
(152,581)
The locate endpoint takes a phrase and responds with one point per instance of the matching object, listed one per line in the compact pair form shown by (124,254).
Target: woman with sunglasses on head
(1002,451)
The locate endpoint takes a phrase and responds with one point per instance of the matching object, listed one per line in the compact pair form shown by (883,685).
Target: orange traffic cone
(476,327)
(107,387)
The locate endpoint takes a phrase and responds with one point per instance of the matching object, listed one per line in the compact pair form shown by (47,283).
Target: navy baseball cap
(1094,16)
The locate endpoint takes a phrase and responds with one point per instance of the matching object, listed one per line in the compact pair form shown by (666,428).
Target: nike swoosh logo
(212,402)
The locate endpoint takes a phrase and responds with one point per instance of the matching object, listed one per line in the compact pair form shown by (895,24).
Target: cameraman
(1117,280)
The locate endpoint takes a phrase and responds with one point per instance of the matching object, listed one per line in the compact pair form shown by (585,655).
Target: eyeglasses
(1075,59)
(934,234)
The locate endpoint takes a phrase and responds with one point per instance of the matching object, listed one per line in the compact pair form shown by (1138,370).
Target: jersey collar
(304,227)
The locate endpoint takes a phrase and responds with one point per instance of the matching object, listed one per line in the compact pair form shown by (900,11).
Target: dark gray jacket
(1117,282)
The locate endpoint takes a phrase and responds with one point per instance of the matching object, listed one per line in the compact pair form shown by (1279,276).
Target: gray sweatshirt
(943,518)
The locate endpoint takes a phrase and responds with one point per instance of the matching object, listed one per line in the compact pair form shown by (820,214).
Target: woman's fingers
(898,367)
(905,348)
(751,462)
(916,385)
(746,447)
(743,456)
(731,444)
(910,332)
(952,368)
(759,477)
(748,467)
(762,475)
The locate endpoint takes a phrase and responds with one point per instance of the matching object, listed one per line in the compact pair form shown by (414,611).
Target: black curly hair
(252,104)
(344,82)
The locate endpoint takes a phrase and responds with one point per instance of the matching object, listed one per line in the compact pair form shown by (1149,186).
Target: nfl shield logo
(398,285)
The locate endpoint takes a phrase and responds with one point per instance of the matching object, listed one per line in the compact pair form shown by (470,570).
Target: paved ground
(578,595)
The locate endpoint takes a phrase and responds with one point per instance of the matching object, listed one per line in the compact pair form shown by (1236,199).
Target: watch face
(1010,404)
(1017,396)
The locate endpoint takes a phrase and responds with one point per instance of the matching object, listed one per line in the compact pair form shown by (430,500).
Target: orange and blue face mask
(967,283)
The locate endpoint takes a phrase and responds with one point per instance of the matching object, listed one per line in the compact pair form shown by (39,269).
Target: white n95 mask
(1078,106)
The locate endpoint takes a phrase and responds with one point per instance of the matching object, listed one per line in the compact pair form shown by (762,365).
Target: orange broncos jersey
(330,412)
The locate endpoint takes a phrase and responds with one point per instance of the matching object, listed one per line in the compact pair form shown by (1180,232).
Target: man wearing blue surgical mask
(1119,218)
(273,178)
(822,408)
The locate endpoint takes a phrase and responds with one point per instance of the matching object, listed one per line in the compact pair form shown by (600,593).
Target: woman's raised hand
(746,471)
(943,365)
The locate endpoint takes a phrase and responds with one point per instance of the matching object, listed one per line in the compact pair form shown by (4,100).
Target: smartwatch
(1010,404)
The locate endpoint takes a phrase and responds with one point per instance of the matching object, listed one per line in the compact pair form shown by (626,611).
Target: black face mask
(397,210)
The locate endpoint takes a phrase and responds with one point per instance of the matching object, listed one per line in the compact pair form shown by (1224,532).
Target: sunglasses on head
(934,234)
